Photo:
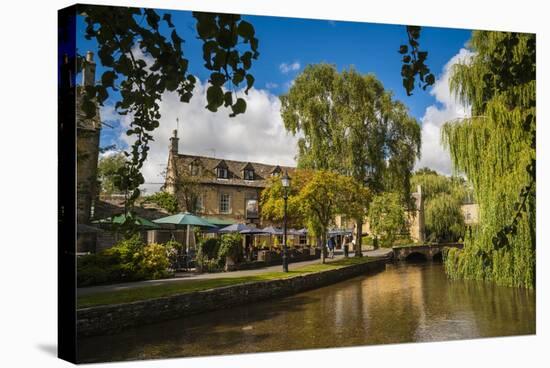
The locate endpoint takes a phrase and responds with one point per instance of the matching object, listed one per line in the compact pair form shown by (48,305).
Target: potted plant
(231,250)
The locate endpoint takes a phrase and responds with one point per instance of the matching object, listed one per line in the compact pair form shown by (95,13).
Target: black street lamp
(285,181)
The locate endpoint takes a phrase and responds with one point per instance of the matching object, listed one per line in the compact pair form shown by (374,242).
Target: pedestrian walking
(331,247)
(346,246)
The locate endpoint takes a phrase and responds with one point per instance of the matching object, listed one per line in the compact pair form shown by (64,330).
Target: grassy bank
(187,286)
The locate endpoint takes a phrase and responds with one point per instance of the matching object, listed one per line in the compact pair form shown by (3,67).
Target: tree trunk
(359,240)
(323,246)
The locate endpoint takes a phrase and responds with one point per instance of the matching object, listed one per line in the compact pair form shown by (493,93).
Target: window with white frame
(225,203)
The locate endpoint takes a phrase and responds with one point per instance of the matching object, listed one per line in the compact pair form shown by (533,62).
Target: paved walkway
(187,276)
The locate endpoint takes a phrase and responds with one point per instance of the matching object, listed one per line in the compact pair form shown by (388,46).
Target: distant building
(415,217)
(216,187)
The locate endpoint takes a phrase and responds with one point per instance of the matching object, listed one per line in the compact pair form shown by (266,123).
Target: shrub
(129,260)
(231,245)
(164,200)
(173,250)
(210,247)
(207,255)
(153,263)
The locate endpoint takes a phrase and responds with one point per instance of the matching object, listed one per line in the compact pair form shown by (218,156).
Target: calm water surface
(404,303)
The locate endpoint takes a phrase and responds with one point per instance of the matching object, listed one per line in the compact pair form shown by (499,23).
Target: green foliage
(495,148)
(109,172)
(164,200)
(397,241)
(207,255)
(173,288)
(209,248)
(231,245)
(272,202)
(387,217)
(153,263)
(414,63)
(222,34)
(443,198)
(123,34)
(352,125)
(314,198)
(129,260)
(173,249)
(444,218)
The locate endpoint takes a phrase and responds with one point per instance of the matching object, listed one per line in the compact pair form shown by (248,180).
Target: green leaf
(238,76)
(245,30)
(238,108)
(228,98)
(214,96)
(249,82)
(246,59)
(217,79)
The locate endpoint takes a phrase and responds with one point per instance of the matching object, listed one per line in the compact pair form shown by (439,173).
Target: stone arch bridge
(422,252)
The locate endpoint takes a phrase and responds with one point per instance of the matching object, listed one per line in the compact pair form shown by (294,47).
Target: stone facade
(110,319)
(226,189)
(87,145)
(471,213)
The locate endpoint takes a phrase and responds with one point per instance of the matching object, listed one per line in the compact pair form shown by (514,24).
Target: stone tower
(417,227)
(171,168)
(87,147)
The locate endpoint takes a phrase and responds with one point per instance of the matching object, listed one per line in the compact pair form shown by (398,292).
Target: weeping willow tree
(495,149)
(443,199)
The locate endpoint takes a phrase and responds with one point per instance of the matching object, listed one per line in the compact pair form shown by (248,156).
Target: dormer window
(248,174)
(276,171)
(248,171)
(221,172)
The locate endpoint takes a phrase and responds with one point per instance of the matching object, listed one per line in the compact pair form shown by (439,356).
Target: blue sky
(286,46)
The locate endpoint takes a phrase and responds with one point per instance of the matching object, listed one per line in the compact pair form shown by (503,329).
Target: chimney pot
(90,56)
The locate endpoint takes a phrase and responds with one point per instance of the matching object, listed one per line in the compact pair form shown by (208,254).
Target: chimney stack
(174,142)
(88,70)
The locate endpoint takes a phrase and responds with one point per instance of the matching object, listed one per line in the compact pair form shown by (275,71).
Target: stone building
(221,188)
(415,217)
(87,146)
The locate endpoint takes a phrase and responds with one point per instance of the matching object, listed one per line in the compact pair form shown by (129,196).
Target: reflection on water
(405,303)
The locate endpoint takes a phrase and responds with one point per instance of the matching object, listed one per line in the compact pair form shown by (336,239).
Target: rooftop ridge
(186,155)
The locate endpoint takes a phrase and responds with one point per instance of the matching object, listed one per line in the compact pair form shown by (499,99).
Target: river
(404,303)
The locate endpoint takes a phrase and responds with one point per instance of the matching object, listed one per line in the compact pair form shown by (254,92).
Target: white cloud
(286,68)
(433,155)
(271,85)
(257,135)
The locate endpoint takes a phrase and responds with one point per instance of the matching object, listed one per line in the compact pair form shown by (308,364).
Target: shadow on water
(416,257)
(221,331)
(408,302)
